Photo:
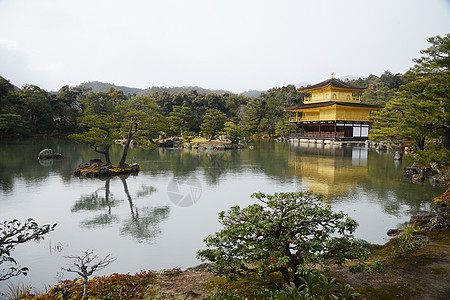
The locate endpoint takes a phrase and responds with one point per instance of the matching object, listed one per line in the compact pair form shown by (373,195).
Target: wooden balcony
(354,99)
(304,119)
(317,119)
(317,135)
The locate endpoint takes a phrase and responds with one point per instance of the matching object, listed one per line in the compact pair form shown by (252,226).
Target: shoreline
(421,275)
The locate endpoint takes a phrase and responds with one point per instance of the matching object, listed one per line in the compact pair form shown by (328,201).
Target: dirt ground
(177,284)
(422,275)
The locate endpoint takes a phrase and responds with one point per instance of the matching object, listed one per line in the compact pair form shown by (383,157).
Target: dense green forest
(416,107)
(31,110)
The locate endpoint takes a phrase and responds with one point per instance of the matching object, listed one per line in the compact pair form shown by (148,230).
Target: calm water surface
(158,219)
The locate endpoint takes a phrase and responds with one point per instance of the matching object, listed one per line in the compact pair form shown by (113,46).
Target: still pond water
(158,219)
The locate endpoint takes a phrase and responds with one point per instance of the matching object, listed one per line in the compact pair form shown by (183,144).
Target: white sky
(236,45)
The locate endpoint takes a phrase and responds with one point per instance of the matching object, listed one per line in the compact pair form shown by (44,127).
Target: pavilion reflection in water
(330,170)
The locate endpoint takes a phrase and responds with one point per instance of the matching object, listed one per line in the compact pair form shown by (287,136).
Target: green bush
(314,286)
(407,242)
(432,153)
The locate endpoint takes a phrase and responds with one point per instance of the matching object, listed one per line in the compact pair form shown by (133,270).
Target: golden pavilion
(333,111)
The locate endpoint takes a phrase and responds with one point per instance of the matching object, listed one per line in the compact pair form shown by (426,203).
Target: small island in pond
(96,168)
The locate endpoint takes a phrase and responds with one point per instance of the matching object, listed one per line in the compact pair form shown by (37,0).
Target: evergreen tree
(142,120)
(420,110)
(68,108)
(232,131)
(181,117)
(100,133)
(253,115)
(287,232)
(213,122)
(36,107)
(101,121)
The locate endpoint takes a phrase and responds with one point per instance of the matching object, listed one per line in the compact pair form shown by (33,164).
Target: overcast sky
(236,45)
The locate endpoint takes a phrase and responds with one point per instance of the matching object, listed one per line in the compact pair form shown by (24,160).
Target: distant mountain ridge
(302,84)
(349,77)
(102,87)
(98,86)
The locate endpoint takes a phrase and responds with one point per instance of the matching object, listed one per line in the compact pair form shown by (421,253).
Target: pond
(159,218)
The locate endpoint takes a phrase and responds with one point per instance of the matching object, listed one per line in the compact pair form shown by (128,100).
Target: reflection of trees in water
(95,201)
(143,221)
(266,157)
(183,163)
(102,220)
(385,182)
(272,159)
(396,196)
(142,224)
(145,190)
(217,163)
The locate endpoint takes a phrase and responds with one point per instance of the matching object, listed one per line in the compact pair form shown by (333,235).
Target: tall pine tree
(421,109)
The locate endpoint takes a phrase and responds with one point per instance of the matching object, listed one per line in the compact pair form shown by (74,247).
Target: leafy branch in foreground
(288,232)
(13,233)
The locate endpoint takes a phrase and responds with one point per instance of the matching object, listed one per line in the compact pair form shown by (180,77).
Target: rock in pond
(392,232)
(48,154)
(398,155)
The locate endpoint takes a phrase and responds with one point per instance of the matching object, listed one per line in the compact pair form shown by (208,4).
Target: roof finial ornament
(332,75)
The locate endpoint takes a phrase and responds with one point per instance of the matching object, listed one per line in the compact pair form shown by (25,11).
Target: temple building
(333,111)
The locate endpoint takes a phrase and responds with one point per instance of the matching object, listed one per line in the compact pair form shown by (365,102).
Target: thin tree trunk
(130,201)
(285,273)
(420,143)
(212,135)
(127,144)
(85,286)
(107,192)
(446,138)
(297,281)
(106,153)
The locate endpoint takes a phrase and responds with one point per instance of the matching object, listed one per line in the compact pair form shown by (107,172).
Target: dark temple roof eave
(333,82)
(329,103)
